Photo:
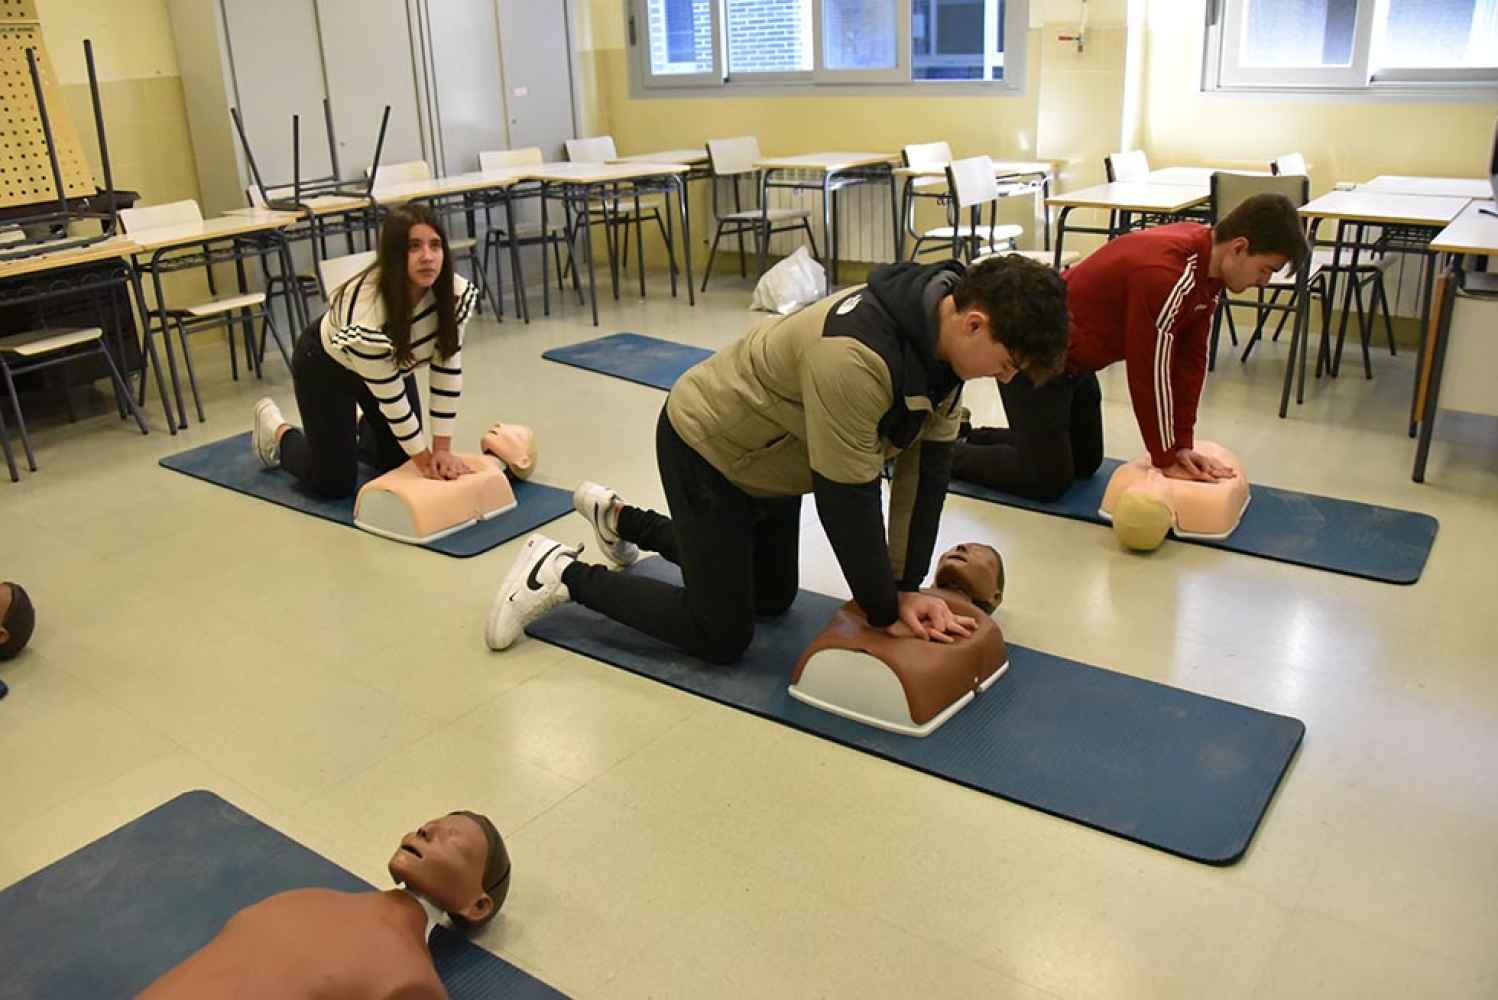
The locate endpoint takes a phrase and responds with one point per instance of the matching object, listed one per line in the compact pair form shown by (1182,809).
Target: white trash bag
(794,283)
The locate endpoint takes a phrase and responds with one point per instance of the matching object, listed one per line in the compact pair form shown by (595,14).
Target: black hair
(20,621)
(1026,306)
(496,871)
(1271,224)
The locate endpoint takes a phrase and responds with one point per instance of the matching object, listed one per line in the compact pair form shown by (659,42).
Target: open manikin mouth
(411,850)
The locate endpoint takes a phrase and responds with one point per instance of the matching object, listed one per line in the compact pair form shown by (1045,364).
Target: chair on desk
(1229,190)
(1369,274)
(306,283)
(526,234)
(618,209)
(461,247)
(209,314)
(732,160)
(971,185)
(36,350)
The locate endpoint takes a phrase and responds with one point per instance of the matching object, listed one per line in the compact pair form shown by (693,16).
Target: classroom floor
(338,687)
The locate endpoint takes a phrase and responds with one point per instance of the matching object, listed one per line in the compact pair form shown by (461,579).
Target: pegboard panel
(18,10)
(25,171)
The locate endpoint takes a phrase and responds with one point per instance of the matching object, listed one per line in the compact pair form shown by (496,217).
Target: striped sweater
(352,334)
(1147,299)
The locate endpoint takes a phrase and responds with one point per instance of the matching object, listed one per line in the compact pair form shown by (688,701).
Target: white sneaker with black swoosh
(533,587)
(597,503)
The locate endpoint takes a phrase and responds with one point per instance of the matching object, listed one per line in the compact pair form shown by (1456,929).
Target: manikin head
(17,619)
(457,862)
(1006,315)
(1255,240)
(974,570)
(514,445)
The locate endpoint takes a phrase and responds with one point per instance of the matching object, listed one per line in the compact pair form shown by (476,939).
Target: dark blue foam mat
(231,463)
(110,918)
(1342,536)
(1174,770)
(633,357)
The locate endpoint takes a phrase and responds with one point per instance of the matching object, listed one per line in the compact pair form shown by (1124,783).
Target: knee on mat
(774,605)
(333,489)
(727,647)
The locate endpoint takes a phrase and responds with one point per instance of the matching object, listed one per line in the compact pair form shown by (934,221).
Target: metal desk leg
(686,238)
(1429,276)
(587,232)
(829,228)
(762,237)
(545,264)
(894,217)
(1299,332)
(1452,281)
(640,241)
(171,356)
(1060,236)
(681,192)
(150,348)
(522,301)
(905,210)
(1043,209)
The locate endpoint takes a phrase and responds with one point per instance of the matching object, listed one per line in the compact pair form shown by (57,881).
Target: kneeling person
(815,402)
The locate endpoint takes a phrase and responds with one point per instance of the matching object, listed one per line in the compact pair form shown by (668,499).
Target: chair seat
(217,307)
(774,215)
(1367,263)
(980,232)
(462,244)
(35,343)
(927,183)
(1285,277)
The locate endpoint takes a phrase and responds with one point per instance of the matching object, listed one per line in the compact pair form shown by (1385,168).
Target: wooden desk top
(1470,232)
(1195,176)
(436,187)
(691,157)
(599,173)
(110,249)
(220,228)
(1133,196)
(825,162)
(1378,206)
(1447,187)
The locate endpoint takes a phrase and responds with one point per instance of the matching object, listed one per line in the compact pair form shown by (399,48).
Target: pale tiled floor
(338,686)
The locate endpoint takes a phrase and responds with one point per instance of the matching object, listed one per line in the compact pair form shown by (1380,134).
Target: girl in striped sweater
(406,310)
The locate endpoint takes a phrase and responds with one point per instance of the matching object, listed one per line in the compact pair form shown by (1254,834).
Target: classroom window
(1353,44)
(718,43)
(957,39)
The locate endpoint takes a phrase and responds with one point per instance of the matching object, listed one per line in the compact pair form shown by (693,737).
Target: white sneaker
(596,503)
(268,420)
(533,587)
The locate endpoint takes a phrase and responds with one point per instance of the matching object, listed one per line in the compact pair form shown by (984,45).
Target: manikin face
(973,353)
(4,609)
(972,569)
(444,860)
(423,256)
(1242,270)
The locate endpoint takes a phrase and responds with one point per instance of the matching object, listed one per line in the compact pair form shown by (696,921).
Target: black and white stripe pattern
(353,336)
(1165,324)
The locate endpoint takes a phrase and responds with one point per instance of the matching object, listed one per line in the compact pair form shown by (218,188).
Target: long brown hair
(394,284)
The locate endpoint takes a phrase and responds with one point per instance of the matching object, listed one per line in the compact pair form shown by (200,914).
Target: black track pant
(325,452)
(1055,436)
(738,556)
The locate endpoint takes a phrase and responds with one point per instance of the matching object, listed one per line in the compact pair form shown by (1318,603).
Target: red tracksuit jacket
(1145,298)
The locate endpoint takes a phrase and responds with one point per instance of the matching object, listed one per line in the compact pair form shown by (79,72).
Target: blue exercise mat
(632,357)
(110,918)
(231,463)
(1358,539)
(1174,770)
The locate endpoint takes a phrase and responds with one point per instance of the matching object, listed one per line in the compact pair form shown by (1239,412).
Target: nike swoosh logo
(531,582)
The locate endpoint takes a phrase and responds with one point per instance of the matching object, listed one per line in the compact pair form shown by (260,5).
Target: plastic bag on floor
(794,283)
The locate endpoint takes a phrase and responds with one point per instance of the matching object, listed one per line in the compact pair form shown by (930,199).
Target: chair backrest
(598,149)
(338,271)
(1290,163)
(1128,166)
(733,156)
(174,213)
(927,154)
(499,159)
(388,174)
(972,182)
(1229,190)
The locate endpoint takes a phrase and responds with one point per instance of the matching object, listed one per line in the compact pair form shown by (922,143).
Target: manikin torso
(313,944)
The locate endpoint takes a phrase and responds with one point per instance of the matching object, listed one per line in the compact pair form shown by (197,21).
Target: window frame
(820,79)
(1222,71)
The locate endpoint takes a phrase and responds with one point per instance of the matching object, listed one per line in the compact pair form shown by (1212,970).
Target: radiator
(864,226)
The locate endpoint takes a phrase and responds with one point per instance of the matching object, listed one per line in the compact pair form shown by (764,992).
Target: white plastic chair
(208,313)
(734,159)
(497,239)
(620,209)
(971,185)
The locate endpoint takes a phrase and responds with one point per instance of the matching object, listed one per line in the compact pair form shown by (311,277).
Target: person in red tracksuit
(1147,299)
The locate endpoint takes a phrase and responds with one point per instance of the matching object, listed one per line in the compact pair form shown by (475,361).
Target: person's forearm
(443,443)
